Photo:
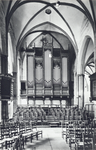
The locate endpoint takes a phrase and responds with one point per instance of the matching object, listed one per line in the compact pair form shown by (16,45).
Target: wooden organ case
(47,74)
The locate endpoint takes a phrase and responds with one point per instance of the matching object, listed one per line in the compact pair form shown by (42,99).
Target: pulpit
(6,94)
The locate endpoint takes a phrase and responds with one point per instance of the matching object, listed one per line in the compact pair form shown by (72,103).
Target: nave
(74,129)
(47,74)
(52,140)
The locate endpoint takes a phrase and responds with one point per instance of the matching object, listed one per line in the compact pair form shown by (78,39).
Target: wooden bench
(31,133)
(7,136)
(11,134)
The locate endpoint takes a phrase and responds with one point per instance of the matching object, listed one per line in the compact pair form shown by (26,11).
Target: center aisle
(52,140)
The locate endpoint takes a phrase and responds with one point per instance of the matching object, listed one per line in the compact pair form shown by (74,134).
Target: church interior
(48,74)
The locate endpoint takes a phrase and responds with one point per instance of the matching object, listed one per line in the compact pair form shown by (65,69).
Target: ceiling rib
(8,9)
(29,22)
(66,24)
(34,32)
(57,41)
(87,72)
(19,3)
(10,13)
(87,13)
(34,39)
(90,68)
(22,3)
(90,57)
(48,32)
(90,64)
(77,7)
(49,4)
(21,40)
(58,14)
(93,13)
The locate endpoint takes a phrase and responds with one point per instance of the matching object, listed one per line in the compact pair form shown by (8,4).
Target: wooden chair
(64,126)
(31,133)
(86,143)
(7,139)
(18,143)
(94,139)
(70,131)
(75,138)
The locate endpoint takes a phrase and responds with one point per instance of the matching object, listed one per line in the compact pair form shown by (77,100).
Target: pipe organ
(47,74)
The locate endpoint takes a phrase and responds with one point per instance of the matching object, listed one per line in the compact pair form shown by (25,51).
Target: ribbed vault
(64,19)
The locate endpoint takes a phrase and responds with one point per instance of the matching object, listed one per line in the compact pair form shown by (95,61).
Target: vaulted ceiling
(63,20)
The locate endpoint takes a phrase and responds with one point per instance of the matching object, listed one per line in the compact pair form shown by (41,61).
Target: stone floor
(52,140)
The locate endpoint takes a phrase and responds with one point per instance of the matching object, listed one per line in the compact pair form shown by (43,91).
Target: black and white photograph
(47,74)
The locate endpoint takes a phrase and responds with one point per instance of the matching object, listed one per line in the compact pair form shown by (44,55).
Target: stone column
(18,81)
(81,90)
(15,91)
(0,110)
(0,94)
(95,50)
(95,67)
(75,89)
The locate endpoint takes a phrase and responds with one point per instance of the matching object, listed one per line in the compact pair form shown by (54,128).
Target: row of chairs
(80,134)
(15,135)
(29,113)
(69,113)
(58,113)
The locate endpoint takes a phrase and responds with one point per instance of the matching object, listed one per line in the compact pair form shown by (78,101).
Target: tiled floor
(52,140)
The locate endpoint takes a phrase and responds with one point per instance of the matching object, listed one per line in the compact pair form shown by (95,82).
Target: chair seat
(2,141)
(32,132)
(27,133)
(15,137)
(8,139)
(81,143)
